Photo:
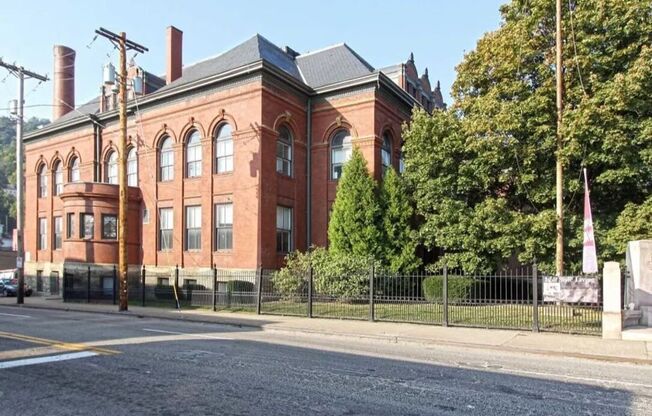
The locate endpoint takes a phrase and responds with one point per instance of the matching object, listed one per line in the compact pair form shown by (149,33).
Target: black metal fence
(512,300)
(211,288)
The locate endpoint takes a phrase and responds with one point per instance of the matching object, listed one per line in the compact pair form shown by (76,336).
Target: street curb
(393,339)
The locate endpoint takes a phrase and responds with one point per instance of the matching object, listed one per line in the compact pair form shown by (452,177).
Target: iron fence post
(176,286)
(535,298)
(445,295)
(214,287)
(371,293)
(113,288)
(259,294)
(88,285)
(310,292)
(142,284)
(64,285)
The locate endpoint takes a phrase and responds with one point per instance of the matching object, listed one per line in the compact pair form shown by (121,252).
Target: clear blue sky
(384,33)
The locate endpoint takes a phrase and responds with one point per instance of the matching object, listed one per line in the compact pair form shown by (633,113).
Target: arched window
(223,149)
(73,175)
(132,167)
(401,161)
(386,152)
(166,160)
(193,155)
(42,181)
(58,177)
(284,151)
(341,150)
(111,168)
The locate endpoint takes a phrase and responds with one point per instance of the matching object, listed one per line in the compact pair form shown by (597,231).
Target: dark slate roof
(254,49)
(391,68)
(330,65)
(91,107)
(315,69)
(153,82)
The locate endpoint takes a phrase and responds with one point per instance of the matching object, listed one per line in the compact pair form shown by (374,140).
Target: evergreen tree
(353,229)
(399,244)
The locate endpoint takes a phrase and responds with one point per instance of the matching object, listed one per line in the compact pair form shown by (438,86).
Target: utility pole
(559,252)
(22,74)
(123,44)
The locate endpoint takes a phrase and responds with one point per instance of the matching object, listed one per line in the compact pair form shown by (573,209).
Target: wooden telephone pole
(559,252)
(21,74)
(122,44)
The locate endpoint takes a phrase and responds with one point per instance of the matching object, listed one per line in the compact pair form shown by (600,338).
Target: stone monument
(638,289)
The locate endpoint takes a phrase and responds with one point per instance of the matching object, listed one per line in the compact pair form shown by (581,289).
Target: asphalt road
(70,363)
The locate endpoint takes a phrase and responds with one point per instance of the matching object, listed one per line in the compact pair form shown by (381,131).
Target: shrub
(291,280)
(239,286)
(459,288)
(342,276)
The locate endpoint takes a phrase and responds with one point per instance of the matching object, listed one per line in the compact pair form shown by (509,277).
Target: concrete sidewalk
(578,346)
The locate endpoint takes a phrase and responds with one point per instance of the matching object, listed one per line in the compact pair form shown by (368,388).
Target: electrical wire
(571,10)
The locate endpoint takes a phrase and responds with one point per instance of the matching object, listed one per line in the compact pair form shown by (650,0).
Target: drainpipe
(97,148)
(309,173)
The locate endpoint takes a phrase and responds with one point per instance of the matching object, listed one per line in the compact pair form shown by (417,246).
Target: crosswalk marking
(47,359)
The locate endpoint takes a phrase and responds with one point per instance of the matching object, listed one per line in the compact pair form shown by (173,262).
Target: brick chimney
(64,81)
(174,54)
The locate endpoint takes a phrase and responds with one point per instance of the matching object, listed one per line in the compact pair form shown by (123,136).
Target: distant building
(231,161)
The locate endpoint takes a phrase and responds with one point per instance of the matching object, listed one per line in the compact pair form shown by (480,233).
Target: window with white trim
(74,175)
(193,155)
(58,230)
(193,227)
(132,167)
(283,229)
(87,224)
(284,151)
(224,226)
(58,177)
(166,160)
(341,150)
(70,225)
(165,228)
(42,233)
(386,152)
(223,149)
(42,182)
(111,168)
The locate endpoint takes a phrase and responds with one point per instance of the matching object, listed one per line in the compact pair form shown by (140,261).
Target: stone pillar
(612,321)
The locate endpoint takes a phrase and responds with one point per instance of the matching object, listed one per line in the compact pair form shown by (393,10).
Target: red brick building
(232,161)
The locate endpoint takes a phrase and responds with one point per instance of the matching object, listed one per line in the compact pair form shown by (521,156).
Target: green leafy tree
(8,163)
(483,173)
(399,243)
(634,223)
(353,228)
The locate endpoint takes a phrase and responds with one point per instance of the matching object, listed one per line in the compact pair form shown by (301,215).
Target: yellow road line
(57,344)
(27,352)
